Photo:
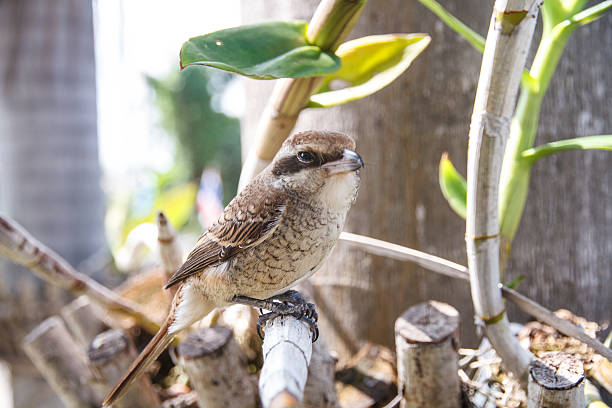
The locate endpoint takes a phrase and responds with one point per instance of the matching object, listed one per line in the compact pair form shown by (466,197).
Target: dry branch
(454,270)
(217,369)
(19,246)
(63,363)
(84,319)
(169,249)
(111,353)
(287,349)
(556,381)
(331,23)
(506,48)
(426,337)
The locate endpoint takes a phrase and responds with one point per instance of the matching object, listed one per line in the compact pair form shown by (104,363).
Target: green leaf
(513,284)
(455,24)
(601,142)
(262,51)
(453,186)
(368,65)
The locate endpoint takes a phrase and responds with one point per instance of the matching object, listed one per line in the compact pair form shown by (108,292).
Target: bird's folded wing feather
(248,220)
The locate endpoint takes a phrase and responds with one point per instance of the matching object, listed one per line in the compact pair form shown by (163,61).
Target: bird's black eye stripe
(306,157)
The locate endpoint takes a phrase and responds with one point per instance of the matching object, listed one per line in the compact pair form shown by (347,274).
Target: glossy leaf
(262,51)
(602,142)
(368,65)
(453,186)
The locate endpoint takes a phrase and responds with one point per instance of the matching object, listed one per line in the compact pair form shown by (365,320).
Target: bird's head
(320,165)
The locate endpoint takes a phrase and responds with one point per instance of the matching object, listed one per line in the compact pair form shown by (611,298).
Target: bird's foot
(284,304)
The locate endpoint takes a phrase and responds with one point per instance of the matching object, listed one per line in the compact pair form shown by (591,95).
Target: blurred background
(98,129)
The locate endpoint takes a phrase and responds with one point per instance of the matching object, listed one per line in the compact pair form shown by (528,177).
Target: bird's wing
(246,221)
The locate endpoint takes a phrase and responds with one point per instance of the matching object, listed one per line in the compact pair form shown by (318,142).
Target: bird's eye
(305,157)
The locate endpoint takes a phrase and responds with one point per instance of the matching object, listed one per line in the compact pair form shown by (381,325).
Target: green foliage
(205,136)
(602,142)
(368,65)
(263,51)
(453,186)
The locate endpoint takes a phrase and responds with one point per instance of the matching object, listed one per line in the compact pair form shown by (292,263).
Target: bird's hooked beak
(350,161)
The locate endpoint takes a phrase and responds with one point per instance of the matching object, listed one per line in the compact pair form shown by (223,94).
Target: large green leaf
(453,186)
(263,51)
(368,65)
(602,142)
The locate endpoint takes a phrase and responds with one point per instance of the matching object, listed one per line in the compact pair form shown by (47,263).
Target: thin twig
(17,245)
(507,44)
(455,270)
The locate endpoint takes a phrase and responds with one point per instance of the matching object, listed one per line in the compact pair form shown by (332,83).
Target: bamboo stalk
(217,369)
(331,23)
(17,245)
(63,363)
(287,349)
(170,251)
(556,381)
(111,353)
(454,270)
(508,40)
(427,337)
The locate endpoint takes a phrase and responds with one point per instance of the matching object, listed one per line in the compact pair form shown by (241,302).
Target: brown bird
(276,232)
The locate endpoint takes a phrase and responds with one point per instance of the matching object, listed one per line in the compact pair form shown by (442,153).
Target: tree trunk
(401,133)
(50,176)
(563,245)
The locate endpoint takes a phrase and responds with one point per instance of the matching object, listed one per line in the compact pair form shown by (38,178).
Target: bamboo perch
(217,369)
(454,270)
(84,319)
(63,363)
(508,40)
(17,245)
(111,353)
(287,349)
(427,337)
(169,249)
(331,23)
(556,381)
(320,390)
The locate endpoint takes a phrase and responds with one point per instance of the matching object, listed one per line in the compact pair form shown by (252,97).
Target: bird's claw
(291,303)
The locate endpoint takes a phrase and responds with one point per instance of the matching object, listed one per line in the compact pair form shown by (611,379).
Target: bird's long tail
(156,346)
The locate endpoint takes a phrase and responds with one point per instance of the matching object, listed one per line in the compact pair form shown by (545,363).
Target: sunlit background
(156,135)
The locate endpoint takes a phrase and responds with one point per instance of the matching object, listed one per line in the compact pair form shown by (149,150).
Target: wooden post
(63,363)
(188,400)
(426,337)
(169,249)
(287,349)
(84,319)
(556,380)
(217,369)
(320,391)
(111,353)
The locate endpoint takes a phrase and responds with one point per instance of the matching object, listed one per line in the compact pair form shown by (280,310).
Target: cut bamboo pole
(169,249)
(287,349)
(455,270)
(84,319)
(556,381)
(19,246)
(426,337)
(111,353)
(508,40)
(63,363)
(217,369)
(331,23)
(320,390)
(188,400)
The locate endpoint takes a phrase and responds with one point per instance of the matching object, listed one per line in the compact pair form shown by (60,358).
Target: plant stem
(504,57)
(330,25)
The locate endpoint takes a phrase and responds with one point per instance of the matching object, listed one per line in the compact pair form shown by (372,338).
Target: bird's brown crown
(324,140)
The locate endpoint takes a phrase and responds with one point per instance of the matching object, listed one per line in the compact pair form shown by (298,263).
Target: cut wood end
(429,322)
(284,399)
(44,327)
(106,346)
(557,371)
(204,342)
